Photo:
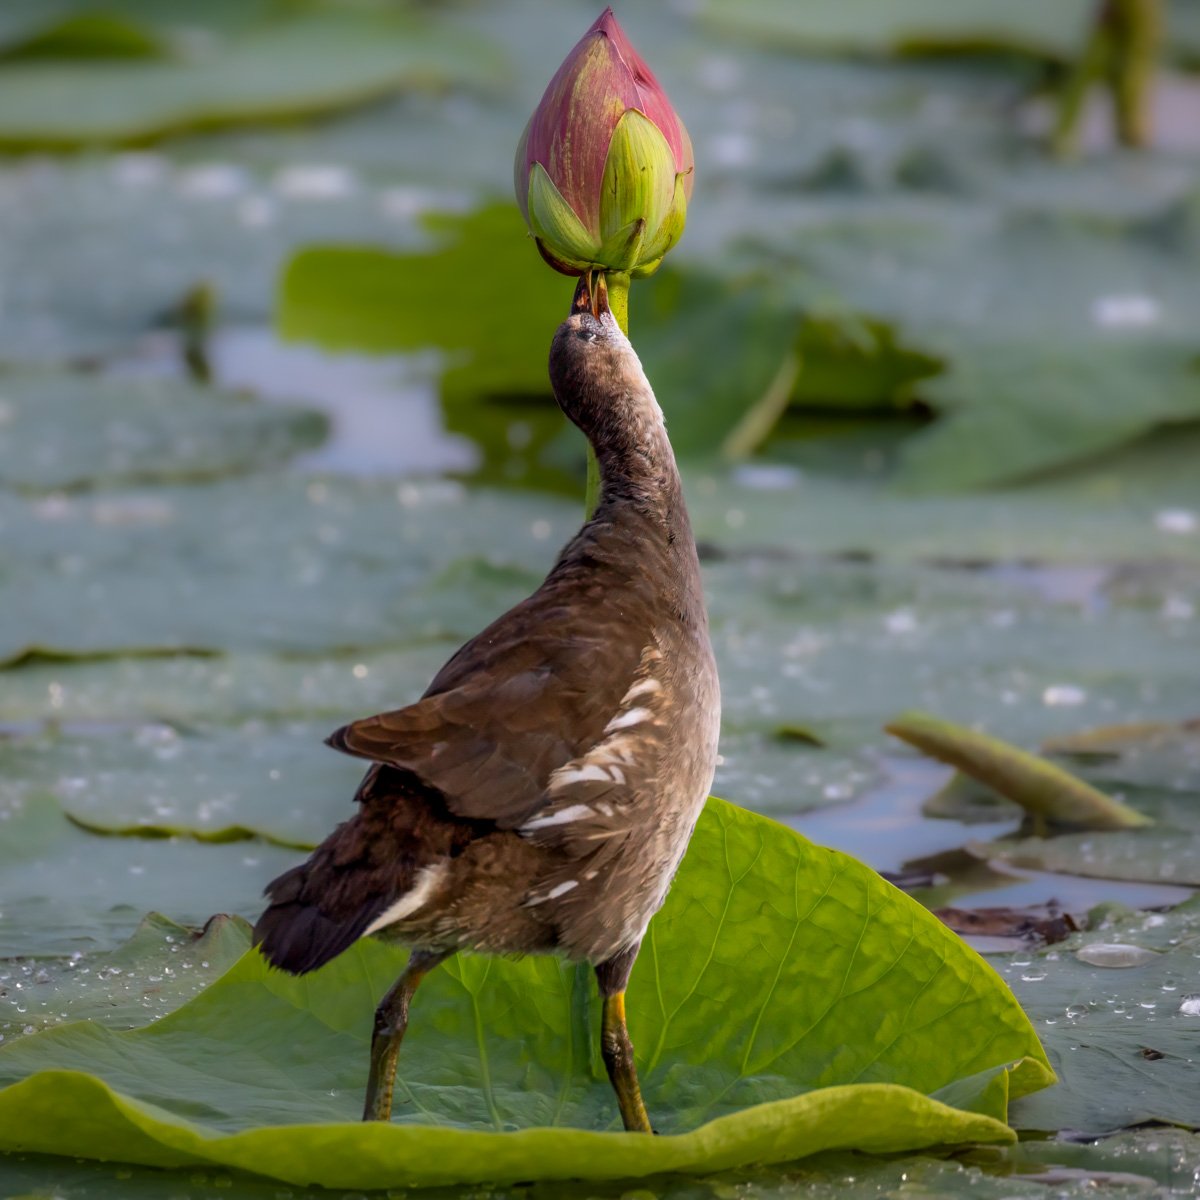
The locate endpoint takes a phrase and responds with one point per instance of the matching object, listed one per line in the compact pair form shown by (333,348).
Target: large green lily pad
(61,430)
(1148,1162)
(1122,1036)
(505,1045)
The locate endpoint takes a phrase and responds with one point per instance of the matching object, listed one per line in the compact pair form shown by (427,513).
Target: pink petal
(652,100)
(571,128)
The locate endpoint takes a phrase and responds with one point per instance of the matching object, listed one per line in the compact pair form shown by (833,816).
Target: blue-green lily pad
(61,430)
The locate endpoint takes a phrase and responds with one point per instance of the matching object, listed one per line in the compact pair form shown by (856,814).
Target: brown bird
(539,797)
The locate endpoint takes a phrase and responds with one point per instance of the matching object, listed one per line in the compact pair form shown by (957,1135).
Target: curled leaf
(1038,786)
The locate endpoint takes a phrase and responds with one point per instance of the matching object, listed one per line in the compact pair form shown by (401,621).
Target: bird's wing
(510,714)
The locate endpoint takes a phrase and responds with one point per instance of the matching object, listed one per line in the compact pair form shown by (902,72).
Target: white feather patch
(564,816)
(633,716)
(560,889)
(643,687)
(579,771)
(426,883)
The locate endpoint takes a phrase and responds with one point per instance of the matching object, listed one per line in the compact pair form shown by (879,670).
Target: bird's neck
(641,523)
(639,478)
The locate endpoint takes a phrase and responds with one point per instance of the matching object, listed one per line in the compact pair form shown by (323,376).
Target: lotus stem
(1137,27)
(1121,51)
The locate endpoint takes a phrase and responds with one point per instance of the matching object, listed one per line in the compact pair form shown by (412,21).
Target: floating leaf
(941,26)
(314,61)
(1040,787)
(1139,506)
(86,35)
(159,967)
(1162,777)
(61,430)
(897,1015)
(64,891)
(1097,1024)
(998,427)
(279,781)
(1137,1159)
(1118,741)
(204,568)
(188,689)
(965,799)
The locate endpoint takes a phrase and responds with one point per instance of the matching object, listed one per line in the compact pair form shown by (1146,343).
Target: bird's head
(597,376)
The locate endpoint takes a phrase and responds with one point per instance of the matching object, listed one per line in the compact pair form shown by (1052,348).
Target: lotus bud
(604,167)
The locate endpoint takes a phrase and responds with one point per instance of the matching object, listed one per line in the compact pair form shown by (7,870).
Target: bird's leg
(391,1020)
(615,1046)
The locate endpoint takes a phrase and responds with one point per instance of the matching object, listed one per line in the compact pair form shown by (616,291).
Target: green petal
(520,179)
(671,229)
(645,269)
(554,224)
(639,176)
(623,250)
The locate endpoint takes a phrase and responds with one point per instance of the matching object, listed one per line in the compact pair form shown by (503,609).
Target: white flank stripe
(643,687)
(426,883)
(560,889)
(564,816)
(587,773)
(635,716)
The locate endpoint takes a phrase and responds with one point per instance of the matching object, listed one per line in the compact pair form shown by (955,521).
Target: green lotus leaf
(787,1001)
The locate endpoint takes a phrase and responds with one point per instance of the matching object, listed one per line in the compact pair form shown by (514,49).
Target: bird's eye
(587,335)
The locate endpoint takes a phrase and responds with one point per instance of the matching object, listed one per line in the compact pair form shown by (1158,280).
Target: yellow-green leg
(391,1020)
(615,1046)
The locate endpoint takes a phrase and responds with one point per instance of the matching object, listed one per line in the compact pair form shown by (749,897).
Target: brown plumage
(539,797)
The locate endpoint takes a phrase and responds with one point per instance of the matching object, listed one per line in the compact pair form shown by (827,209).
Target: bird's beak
(591,294)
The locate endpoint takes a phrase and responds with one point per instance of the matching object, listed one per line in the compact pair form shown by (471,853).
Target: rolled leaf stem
(618,303)
(1046,791)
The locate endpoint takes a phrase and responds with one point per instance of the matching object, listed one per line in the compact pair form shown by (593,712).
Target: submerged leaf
(1040,787)
(777,967)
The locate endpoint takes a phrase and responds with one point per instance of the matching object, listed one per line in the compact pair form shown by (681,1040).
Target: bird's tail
(298,932)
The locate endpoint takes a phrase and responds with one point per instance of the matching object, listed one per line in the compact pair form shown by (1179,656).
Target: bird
(540,796)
